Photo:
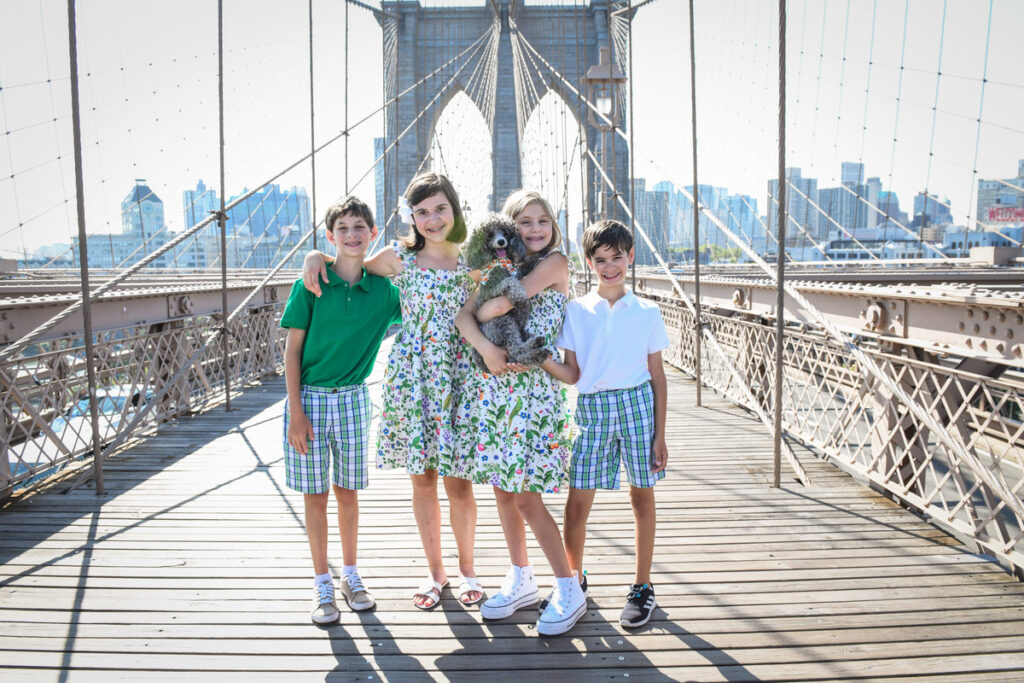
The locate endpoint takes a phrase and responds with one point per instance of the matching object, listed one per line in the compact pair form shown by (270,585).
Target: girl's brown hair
(520,199)
(426,185)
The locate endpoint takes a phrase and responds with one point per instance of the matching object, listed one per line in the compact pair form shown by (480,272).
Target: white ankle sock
(350,569)
(322,578)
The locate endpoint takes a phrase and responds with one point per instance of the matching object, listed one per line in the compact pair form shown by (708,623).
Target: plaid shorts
(341,425)
(614,425)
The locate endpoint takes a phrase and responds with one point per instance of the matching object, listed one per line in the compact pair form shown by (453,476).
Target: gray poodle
(496,250)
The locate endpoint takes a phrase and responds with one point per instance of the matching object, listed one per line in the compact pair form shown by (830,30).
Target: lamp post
(601,81)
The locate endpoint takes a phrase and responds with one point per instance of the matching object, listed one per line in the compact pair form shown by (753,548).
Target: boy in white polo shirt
(613,343)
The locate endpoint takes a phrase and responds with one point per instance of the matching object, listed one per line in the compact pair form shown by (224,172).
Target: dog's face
(495,237)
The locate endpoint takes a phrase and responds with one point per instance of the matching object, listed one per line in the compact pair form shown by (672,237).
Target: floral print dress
(426,364)
(517,425)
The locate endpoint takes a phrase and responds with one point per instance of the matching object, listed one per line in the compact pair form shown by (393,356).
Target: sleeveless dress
(517,425)
(426,365)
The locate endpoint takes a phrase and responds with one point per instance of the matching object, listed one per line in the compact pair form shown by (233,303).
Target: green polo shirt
(344,327)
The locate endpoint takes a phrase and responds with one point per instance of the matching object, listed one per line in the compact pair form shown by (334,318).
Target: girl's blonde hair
(426,185)
(520,199)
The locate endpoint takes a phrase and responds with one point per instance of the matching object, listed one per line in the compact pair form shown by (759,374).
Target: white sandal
(432,590)
(467,585)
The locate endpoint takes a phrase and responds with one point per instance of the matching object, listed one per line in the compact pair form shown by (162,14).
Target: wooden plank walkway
(196,565)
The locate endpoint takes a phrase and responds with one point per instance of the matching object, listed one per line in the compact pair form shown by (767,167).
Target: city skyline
(149,100)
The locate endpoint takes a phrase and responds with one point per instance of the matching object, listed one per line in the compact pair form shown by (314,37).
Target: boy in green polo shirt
(332,344)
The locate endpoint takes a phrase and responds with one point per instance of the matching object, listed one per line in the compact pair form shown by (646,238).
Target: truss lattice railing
(853,421)
(44,398)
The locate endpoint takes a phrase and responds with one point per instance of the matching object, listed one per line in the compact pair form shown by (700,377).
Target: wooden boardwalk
(196,565)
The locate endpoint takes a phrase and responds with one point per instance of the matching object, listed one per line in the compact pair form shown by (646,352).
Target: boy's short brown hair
(349,206)
(606,233)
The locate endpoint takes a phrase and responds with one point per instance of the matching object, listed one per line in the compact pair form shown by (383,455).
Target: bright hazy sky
(149,97)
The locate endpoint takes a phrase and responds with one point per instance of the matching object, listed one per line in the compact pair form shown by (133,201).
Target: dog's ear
(517,250)
(477,255)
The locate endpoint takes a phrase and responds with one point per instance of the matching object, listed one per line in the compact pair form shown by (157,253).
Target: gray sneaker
(355,594)
(325,611)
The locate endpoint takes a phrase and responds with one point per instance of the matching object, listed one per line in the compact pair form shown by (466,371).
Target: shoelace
(325,592)
(354,582)
(635,593)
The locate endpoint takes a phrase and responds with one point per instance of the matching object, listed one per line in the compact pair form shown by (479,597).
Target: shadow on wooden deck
(196,565)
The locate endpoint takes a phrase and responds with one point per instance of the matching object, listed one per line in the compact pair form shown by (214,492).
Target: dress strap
(404,254)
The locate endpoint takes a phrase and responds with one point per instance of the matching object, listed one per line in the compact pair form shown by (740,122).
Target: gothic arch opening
(460,148)
(550,150)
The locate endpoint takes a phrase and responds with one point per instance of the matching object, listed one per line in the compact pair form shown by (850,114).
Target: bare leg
(545,530)
(348,523)
(462,515)
(427,509)
(512,526)
(643,510)
(577,509)
(316,529)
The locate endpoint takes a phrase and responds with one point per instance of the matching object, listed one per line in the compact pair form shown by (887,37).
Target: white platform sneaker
(518,590)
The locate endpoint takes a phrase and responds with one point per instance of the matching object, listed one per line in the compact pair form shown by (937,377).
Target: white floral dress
(517,425)
(426,364)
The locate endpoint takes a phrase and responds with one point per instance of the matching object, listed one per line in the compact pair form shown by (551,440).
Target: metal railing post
(90,363)
(312,129)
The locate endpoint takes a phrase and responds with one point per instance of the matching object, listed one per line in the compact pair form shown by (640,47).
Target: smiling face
(534,225)
(611,265)
(434,217)
(351,235)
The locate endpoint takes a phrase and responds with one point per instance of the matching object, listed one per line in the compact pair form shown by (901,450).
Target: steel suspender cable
(632,167)
(780,301)
(696,207)
(222,216)
(90,362)
(312,127)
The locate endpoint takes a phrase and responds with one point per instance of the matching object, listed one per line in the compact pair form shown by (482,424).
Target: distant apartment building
(142,231)
(1001,202)
(800,193)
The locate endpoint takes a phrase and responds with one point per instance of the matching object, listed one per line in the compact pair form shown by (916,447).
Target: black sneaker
(639,606)
(543,604)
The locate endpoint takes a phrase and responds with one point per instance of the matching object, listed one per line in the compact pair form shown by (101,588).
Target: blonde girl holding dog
(516,424)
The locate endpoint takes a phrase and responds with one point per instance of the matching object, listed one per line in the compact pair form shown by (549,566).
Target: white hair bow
(405,211)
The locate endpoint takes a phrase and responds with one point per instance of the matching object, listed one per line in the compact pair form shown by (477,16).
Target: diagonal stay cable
(9,351)
(868,364)
(710,338)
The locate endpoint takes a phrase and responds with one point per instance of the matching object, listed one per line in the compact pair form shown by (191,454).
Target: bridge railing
(854,422)
(44,401)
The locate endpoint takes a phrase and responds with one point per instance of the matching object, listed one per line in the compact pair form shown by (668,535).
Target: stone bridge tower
(419,40)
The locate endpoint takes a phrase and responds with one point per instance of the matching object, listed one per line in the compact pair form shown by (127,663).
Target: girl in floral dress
(516,423)
(426,363)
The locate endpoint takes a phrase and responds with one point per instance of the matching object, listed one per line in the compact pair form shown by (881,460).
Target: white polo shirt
(611,343)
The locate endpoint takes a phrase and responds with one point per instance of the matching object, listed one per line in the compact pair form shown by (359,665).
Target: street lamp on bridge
(602,82)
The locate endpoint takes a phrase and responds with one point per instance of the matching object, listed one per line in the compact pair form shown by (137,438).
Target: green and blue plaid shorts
(614,426)
(341,427)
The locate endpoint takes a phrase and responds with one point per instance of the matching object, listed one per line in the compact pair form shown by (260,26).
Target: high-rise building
(800,192)
(930,210)
(852,172)
(198,203)
(143,231)
(142,211)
